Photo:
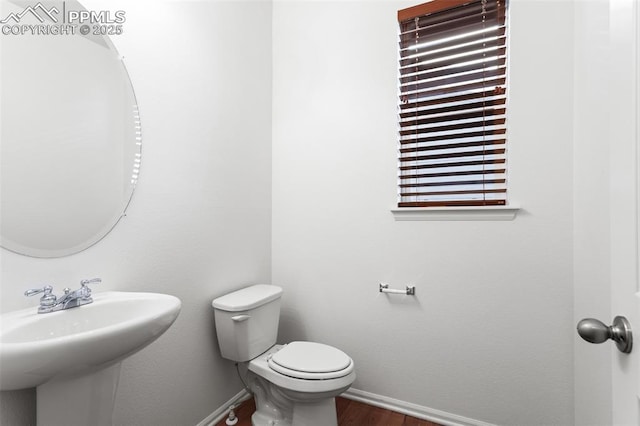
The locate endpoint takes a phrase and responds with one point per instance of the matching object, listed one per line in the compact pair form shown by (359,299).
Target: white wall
(491,340)
(489,335)
(200,221)
(593,386)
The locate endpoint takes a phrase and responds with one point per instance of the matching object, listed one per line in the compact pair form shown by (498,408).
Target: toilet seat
(311,361)
(289,383)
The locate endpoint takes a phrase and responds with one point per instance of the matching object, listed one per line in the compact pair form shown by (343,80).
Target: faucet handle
(84,283)
(47,289)
(85,291)
(47,298)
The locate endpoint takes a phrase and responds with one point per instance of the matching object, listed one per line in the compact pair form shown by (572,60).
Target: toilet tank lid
(247,298)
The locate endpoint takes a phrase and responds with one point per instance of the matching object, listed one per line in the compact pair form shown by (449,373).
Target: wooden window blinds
(452,109)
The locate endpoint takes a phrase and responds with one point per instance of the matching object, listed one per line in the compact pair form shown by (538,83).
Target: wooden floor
(350,413)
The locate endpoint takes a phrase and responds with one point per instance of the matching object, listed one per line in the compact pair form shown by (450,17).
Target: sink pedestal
(81,400)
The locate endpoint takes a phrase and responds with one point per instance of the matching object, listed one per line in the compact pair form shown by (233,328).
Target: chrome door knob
(595,331)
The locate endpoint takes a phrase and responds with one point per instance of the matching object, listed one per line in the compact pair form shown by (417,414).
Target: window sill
(485,213)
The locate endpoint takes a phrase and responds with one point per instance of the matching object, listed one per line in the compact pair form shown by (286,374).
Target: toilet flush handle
(240,318)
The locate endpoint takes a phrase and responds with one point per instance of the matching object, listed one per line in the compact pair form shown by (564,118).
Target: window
(452,109)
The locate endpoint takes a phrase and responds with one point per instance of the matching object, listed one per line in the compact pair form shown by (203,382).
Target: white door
(624,127)
(606,205)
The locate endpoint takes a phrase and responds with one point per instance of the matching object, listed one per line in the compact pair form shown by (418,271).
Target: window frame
(475,209)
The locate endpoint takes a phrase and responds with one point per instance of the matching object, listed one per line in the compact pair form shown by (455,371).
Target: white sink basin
(36,348)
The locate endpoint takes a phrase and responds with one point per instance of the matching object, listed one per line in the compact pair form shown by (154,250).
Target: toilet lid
(310,360)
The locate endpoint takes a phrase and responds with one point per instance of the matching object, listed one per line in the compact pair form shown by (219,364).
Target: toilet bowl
(294,393)
(293,384)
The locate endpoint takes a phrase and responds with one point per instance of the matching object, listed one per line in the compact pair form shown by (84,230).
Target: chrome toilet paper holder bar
(410,290)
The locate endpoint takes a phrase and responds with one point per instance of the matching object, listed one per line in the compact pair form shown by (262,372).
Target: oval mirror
(70,139)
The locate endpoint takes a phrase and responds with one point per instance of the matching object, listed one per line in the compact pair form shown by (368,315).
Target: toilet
(293,384)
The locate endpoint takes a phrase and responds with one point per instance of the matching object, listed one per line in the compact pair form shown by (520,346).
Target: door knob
(595,331)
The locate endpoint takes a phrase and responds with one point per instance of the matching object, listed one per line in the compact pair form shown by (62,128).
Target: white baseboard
(223,410)
(413,410)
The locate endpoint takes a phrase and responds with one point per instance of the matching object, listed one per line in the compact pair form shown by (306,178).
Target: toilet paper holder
(410,290)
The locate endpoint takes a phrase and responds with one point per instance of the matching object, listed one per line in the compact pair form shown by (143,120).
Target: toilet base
(322,413)
(308,414)
(274,408)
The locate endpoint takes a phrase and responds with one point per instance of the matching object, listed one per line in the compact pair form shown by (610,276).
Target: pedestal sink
(73,356)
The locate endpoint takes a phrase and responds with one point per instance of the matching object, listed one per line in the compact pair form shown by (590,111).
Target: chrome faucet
(70,299)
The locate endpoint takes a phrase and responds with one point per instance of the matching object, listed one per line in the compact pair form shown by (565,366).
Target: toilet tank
(247,321)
